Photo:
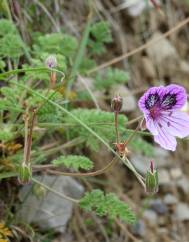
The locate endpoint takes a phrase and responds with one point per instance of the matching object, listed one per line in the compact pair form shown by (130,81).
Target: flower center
(155,112)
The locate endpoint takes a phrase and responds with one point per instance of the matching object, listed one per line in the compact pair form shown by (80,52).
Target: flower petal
(176,123)
(174,97)
(164,139)
(151,126)
(148,99)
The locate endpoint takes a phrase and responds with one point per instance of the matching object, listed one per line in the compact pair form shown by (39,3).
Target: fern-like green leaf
(107,205)
(11,44)
(74,161)
(101,32)
(6,134)
(7,27)
(10,100)
(100,122)
(110,77)
(47,112)
(56,43)
(86,65)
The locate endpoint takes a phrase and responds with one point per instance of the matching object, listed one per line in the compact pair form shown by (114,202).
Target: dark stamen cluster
(152,100)
(168,101)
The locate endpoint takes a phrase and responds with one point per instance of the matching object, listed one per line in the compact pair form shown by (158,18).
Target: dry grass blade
(141,48)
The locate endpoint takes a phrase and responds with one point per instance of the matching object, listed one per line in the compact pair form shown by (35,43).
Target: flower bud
(51,61)
(151,180)
(116,104)
(25,173)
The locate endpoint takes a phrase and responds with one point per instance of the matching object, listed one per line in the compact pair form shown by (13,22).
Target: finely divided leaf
(107,205)
(74,161)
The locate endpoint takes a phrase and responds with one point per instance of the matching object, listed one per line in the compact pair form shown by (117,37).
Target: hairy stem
(133,134)
(55,192)
(79,174)
(116,126)
(29,140)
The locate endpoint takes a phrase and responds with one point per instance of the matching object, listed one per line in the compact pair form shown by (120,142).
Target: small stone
(169,199)
(176,173)
(168,50)
(148,68)
(162,221)
(168,54)
(164,177)
(161,160)
(162,157)
(49,211)
(158,206)
(135,8)
(150,216)
(129,101)
(182,212)
(183,184)
(139,228)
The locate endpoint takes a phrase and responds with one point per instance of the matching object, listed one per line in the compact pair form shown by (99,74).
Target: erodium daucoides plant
(39,103)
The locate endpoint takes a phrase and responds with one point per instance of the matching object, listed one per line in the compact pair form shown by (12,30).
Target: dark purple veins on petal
(168,101)
(152,100)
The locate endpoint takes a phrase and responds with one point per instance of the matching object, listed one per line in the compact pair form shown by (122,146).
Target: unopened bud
(24,173)
(151,181)
(51,61)
(116,104)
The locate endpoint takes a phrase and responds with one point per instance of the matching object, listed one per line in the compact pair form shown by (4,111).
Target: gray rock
(168,54)
(168,50)
(139,228)
(148,68)
(164,177)
(182,212)
(169,199)
(150,216)
(158,206)
(142,163)
(176,173)
(50,210)
(129,100)
(183,184)
(162,158)
(136,7)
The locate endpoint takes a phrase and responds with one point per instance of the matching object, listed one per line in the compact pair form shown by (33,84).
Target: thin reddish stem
(116,127)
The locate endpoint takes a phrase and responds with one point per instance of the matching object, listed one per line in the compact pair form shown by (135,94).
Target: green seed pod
(24,173)
(151,180)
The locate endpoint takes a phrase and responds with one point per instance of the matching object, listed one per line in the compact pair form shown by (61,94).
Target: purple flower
(161,107)
(51,61)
